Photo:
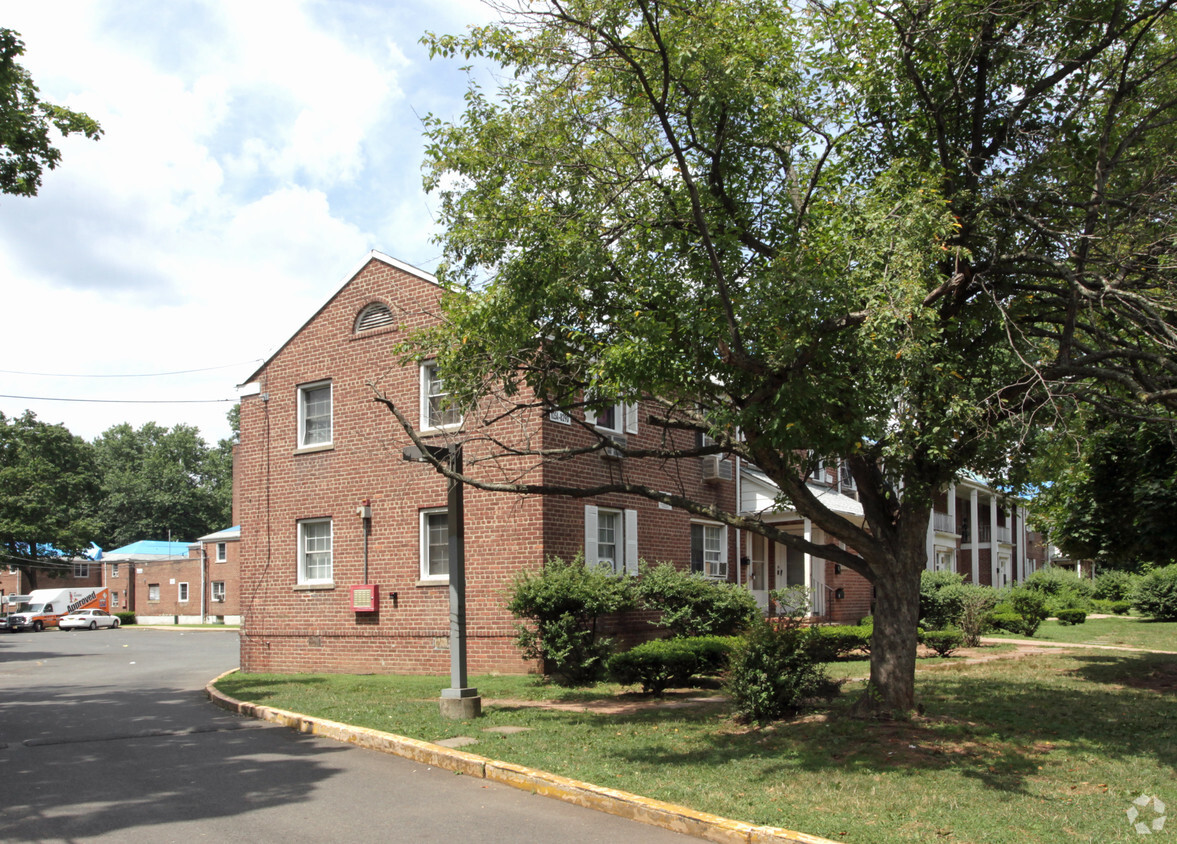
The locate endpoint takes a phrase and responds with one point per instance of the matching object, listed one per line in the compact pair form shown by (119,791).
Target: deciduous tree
(27,123)
(896,235)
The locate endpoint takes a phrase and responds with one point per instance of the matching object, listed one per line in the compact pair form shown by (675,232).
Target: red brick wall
(291,628)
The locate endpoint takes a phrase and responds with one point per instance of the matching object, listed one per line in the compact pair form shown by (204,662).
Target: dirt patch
(626,704)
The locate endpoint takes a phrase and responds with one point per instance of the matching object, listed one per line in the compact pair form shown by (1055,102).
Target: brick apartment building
(327,502)
(85,573)
(179,582)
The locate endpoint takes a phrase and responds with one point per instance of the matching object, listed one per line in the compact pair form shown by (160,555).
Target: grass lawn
(1118,630)
(1023,749)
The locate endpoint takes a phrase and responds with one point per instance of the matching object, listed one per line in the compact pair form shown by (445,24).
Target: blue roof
(159,547)
(44,549)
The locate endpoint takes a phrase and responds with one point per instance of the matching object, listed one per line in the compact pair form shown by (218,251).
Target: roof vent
(375,315)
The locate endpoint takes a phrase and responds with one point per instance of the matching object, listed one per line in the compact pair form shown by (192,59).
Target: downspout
(203,585)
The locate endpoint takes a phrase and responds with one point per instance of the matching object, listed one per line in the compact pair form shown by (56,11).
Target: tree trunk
(891,690)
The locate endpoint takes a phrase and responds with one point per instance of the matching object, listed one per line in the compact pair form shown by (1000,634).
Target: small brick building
(179,582)
(327,502)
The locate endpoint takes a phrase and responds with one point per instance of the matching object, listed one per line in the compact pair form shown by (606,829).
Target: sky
(254,152)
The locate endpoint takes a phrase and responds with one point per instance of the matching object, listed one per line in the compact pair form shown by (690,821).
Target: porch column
(930,541)
(952,518)
(975,534)
(1023,543)
(808,567)
(994,561)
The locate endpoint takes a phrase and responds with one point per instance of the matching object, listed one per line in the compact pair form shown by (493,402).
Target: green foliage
(943,642)
(774,672)
(1112,607)
(1071,616)
(1155,595)
(48,481)
(976,605)
(562,604)
(126,617)
(940,599)
(692,605)
(1030,605)
(26,123)
(882,238)
(1114,500)
(1113,585)
(1004,618)
(157,481)
(663,663)
(840,641)
(1061,589)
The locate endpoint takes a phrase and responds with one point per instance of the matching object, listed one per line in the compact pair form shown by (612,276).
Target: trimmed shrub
(1005,619)
(693,605)
(839,641)
(940,599)
(662,663)
(943,642)
(1061,589)
(561,605)
(1156,594)
(125,617)
(1071,616)
(774,672)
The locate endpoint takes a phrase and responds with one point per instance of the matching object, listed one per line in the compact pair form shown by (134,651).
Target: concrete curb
(609,800)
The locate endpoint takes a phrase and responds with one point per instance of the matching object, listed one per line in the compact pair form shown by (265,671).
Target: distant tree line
(60,493)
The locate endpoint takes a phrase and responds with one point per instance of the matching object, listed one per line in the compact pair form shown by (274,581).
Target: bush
(1112,607)
(663,663)
(1030,604)
(125,617)
(1071,616)
(1005,619)
(1061,589)
(839,641)
(774,672)
(692,605)
(1113,585)
(940,598)
(943,642)
(1155,594)
(976,603)
(562,603)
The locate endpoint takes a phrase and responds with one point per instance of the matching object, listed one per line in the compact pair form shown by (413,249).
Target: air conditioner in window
(718,570)
(218,599)
(615,453)
(717,468)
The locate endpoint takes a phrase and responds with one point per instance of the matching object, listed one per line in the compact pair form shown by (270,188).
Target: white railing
(943,522)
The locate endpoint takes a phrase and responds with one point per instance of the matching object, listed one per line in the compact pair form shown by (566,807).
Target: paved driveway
(106,736)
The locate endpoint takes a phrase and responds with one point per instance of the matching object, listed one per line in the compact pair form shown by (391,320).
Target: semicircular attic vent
(375,315)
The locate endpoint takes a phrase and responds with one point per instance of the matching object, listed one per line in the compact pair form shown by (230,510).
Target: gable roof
(226,535)
(374,255)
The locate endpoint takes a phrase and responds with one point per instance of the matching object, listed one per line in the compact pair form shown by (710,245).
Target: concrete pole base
(461,708)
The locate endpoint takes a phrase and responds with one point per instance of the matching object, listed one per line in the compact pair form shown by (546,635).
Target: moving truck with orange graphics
(43,608)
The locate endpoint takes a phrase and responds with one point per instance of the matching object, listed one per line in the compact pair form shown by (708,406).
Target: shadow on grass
(994,726)
(260,689)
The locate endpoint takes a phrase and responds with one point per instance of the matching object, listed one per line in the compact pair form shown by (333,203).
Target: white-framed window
(611,538)
(114,569)
(315,561)
(153,591)
(81,569)
(846,477)
(436,409)
(218,591)
(945,560)
(314,414)
(435,545)
(222,551)
(709,549)
(114,599)
(619,418)
(182,592)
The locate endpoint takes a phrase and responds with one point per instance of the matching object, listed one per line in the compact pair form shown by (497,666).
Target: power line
(119,401)
(127,375)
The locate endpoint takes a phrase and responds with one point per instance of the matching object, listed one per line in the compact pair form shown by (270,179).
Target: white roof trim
(841,504)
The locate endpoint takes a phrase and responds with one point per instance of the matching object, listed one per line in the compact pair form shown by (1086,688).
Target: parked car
(3,621)
(91,619)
